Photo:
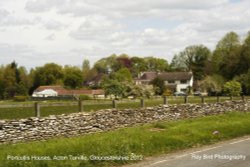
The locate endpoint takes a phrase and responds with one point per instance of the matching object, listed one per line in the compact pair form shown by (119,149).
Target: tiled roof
(62,91)
(148,76)
(167,76)
(173,76)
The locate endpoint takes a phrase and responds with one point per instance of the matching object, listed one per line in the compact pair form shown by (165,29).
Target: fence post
(185,99)
(80,105)
(165,100)
(218,99)
(202,99)
(243,98)
(114,105)
(231,97)
(142,103)
(37,109)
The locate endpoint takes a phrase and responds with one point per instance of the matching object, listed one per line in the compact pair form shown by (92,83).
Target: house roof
(167,76)
(53,87)
(173,76)
(62,91)
(148,76)
(96,80)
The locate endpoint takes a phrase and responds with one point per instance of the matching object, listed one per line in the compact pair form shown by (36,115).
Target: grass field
(134,142)
(24,112)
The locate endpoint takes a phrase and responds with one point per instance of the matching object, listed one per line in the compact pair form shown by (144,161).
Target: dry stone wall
(13,131)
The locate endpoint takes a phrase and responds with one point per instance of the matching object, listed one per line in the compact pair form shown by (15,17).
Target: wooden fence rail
(115,103)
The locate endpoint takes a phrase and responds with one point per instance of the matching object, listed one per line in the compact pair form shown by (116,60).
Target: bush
(20,98)
(232,88)
(84,97)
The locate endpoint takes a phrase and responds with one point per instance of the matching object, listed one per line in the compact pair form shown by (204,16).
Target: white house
(176,81)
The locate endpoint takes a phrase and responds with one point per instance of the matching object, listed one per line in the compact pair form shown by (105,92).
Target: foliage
(226,56)
(232,88)
(49,74)
(113,87)
(156,64)
(244,60)
(159,85)
(193,58)
(137,90)
(13,81)
(244,79)
(122,75)
(20,98)
(84,97)
(72,77)
(213,85)
(167,92)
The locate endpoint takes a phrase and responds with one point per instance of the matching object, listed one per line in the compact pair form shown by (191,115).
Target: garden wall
(13,131)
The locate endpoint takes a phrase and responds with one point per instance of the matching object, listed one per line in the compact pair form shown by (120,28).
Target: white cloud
(50,37)
(65,31)
(54,25)
(94,27)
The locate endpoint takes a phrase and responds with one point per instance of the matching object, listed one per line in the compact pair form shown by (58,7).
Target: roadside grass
(146,140)
(94,105)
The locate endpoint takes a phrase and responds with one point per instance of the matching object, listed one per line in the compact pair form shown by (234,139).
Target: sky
(35,32)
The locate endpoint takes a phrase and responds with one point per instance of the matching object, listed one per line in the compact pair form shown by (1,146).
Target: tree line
(225,69)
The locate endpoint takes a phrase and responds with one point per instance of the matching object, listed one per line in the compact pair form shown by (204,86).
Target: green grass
(94,105)
(147,140)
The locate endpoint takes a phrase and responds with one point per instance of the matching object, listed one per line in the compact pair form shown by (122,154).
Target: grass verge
(147,140)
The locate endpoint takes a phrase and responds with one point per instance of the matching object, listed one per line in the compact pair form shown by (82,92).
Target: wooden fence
(114,103)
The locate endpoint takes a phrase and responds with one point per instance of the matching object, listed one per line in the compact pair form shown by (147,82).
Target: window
(170,82)
(183,81)
(183,90)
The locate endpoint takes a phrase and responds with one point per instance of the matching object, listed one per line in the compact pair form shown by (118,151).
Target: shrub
(20,98)
(232,88)
(84,97)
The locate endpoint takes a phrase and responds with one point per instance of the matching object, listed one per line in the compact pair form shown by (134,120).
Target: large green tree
(72,77)
(122,75)
(156,64)
(138,65)
(226,56)
(13,81)
(49,74)
(194,58)
(244,61)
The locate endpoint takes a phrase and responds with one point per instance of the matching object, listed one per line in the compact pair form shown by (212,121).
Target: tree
(213,85)
(122,61)
(178,63)
(225,59)
(105,65)
(122,75)
(85,69)
(232,88)
(156,64)
(113,87)
(193,58)
(159,85)
(244,61)
(138,65)
(137,90)
(72,77)
(2,86)
(49,74)
(244,79)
